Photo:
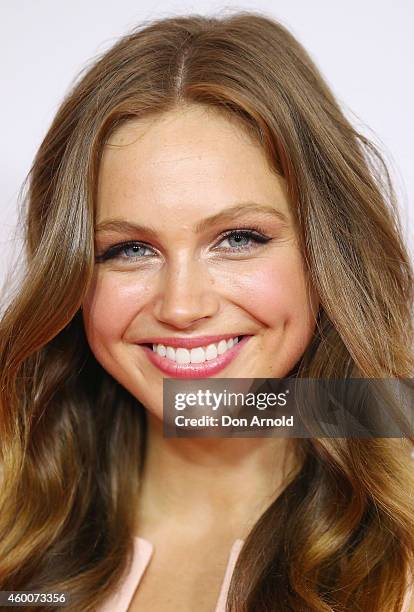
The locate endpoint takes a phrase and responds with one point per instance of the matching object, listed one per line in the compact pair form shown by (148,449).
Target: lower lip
(195,370)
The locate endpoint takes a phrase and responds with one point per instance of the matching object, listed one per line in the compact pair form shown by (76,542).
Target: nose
(185,294)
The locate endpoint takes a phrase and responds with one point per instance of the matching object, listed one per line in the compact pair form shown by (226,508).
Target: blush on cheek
(111,306)
(274,294)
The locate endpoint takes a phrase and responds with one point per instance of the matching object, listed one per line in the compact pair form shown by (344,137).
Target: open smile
(199,362)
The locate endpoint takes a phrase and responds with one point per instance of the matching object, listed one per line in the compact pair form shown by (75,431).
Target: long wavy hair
(340,535)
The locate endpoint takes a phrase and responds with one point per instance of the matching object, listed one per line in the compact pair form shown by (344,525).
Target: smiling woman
(200,207)
(208,267)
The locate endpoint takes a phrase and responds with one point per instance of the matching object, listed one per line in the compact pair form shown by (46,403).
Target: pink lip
(188,343)
(195,370)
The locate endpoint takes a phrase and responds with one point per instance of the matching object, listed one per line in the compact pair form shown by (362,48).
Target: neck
(196,485)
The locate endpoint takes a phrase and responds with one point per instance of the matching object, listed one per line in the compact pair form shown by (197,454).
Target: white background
(364,49)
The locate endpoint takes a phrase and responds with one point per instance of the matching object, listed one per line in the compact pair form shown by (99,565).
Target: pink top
(143,550)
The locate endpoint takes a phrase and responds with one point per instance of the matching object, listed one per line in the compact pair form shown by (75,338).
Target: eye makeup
(118,251)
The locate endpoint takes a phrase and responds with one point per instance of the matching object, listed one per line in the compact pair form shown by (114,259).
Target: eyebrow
(121,225)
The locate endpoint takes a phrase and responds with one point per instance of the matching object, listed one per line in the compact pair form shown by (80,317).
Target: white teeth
(211,352)
(195,355)
(182,355)
(161,350)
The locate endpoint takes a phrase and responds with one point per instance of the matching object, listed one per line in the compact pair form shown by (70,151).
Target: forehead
(178,122)
(187,161)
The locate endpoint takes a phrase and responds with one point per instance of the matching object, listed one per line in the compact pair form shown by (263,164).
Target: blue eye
(241,237)
(127,251)
(135,249)
(243,241)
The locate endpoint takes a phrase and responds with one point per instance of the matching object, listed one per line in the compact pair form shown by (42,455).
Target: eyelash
(255,234)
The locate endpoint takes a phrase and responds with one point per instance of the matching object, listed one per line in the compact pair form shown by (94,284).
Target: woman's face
(170,191)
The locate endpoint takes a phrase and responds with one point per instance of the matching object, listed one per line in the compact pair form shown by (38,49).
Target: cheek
(275,293)
(110,305)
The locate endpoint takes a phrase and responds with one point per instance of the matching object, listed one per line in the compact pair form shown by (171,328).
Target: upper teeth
(195,355)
